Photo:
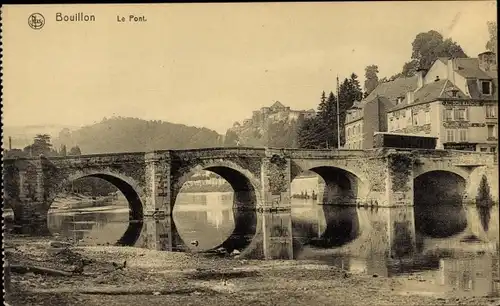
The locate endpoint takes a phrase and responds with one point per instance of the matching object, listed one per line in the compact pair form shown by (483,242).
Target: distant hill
(22,136)
(136,135)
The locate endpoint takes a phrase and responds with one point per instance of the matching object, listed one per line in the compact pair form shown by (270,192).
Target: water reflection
(391,242)
(325,226)
(439,220)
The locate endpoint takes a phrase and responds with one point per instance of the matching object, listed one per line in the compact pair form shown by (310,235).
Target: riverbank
(157,278)
(77,201)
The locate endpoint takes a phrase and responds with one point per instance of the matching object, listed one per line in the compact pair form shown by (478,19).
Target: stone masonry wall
(276,180)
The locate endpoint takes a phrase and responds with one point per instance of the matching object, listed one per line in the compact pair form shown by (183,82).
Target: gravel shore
(112,275)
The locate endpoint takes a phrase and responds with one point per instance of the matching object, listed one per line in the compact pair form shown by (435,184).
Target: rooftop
(277,104)
(469,68)
(431,92)
(393,89)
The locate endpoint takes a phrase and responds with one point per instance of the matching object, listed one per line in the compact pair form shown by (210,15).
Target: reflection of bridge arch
(438,206)
(246,189)
(129,188)
(342,225)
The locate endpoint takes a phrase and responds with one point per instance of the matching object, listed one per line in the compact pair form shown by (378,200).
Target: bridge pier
(160,234)
(158,190)
(276,181)
(277,235)
(28,196)
(402,235)
(399,180)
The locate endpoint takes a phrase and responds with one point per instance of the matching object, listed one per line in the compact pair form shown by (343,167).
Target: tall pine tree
(349,91)
(321,131)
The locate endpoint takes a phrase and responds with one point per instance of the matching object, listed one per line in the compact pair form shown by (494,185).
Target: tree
(63,152)
(311,134)
(409,69)
(231,138)
(320,131)
(349,91)
(75,151)
(371,79)
(483,197)
(427,47)
(41,145)
(492,30)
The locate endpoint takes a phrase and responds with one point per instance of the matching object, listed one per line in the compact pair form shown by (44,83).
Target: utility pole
(338,115)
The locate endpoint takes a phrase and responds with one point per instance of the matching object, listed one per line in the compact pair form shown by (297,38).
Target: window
(484,149)
(491,131)
(450,135)
(486,87)
(459,113)
(448,114)
(463,135)
(348,131)
(493,149)
(427,117)
(415,119)
(491,111)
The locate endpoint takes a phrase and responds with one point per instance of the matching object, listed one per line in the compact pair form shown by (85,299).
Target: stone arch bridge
(260,177)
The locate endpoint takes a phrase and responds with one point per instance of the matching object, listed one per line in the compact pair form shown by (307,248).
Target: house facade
(369,115)
(456,101)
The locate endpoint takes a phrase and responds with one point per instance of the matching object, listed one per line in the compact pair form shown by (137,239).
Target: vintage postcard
(330,153)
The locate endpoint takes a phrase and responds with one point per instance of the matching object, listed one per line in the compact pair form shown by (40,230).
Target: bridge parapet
(218,152)
(457,157)
(323,154)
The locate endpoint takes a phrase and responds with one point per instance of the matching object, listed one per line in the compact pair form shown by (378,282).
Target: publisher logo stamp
(36,21)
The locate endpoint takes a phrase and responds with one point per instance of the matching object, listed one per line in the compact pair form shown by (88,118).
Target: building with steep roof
(369,115)
(456,101)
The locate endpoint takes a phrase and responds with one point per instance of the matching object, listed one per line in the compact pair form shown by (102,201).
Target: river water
(428,249)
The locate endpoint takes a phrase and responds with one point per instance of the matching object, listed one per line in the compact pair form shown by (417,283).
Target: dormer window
(485,87)
(454,93)
(399,100)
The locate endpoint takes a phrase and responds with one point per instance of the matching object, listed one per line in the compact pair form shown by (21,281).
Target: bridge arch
(246,188)
(462,173)
(127,186)
(438,203)
(245,185)
(341,185)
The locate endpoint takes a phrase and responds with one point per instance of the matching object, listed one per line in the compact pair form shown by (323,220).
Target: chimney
(487,61)
(10,143)
(409,97)
(450,71)
(420,77)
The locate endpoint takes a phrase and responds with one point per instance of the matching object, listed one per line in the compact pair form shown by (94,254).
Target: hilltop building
(276,112)
(456,101)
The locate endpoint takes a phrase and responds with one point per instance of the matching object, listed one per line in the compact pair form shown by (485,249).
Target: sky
(209,65)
